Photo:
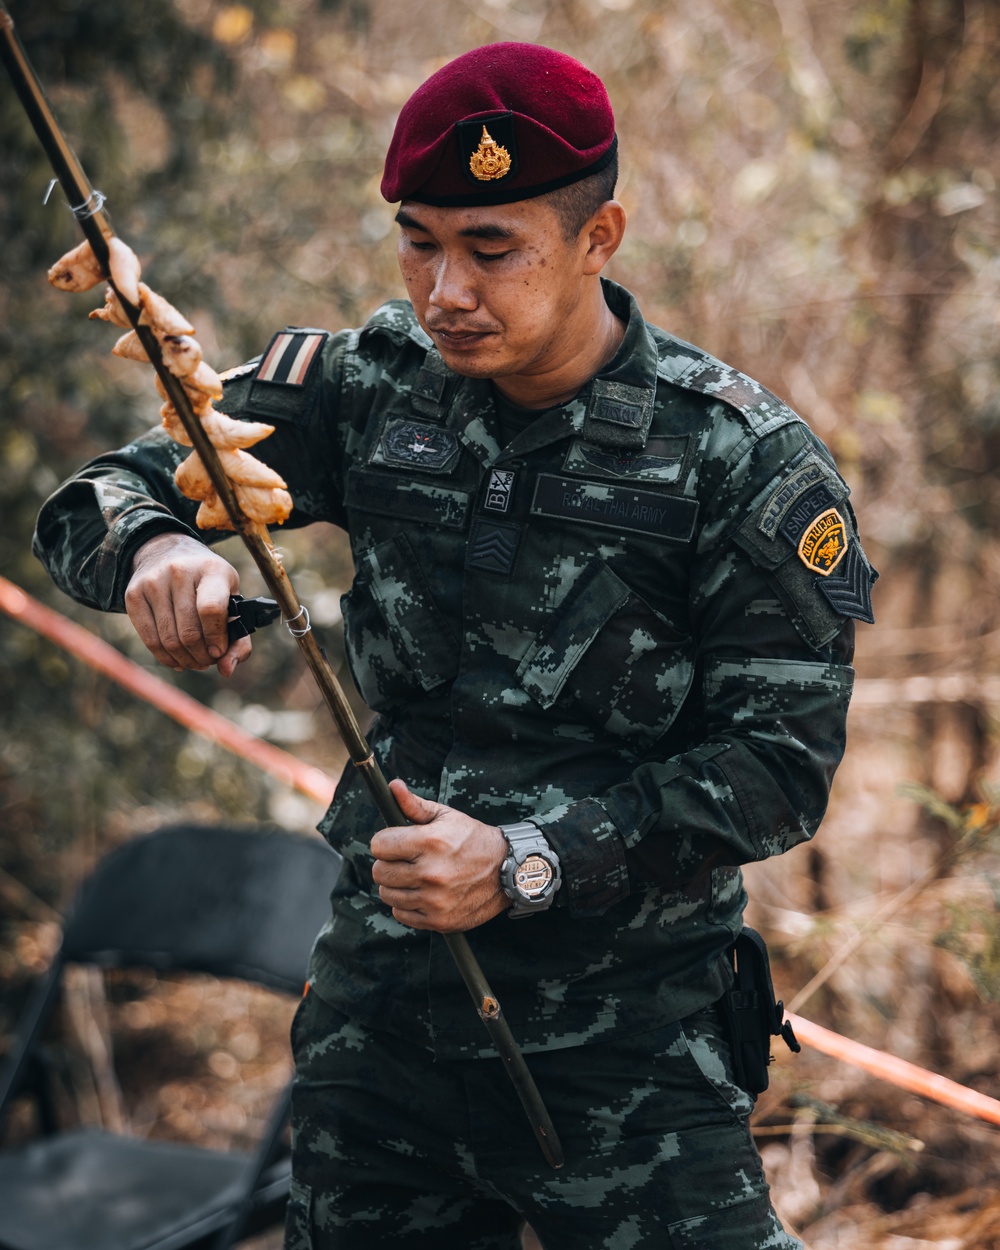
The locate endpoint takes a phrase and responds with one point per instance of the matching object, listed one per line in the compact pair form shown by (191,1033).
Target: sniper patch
(809,477)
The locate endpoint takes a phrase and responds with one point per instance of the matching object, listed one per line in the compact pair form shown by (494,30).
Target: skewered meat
(204,379)
(125,269)
(129,348)
(192,478)
(266,505)
(161,315)
(259,489)
(200,401)
(245,470)
(223,431)
(172,425)
(78,270)
(181,354)
(112,312)
(212,514)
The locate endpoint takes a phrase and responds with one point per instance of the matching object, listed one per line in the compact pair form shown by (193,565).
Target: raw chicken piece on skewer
(260,491)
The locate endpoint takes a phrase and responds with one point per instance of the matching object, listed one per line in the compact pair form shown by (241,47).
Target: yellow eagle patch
(824,543)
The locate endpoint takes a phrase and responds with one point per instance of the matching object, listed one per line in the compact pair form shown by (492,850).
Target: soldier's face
(500,289)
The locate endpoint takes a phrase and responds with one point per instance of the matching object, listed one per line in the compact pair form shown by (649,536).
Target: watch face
(533,877)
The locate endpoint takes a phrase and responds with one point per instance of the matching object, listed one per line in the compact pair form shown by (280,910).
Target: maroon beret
(502,123)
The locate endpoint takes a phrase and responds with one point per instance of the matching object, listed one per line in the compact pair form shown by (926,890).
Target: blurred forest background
(811,186)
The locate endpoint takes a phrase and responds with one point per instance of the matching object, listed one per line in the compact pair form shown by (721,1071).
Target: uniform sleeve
(764,722)
(89,530)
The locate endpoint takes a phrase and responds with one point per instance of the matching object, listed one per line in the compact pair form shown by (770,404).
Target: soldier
(603,608)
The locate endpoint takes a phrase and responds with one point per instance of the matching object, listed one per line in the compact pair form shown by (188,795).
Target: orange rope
(317,785)
(189,712)
(896,1071)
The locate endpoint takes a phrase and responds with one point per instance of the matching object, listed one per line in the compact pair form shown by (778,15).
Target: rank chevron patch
(493,546)
(849,590)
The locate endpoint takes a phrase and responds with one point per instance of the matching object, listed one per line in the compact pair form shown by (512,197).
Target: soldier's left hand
(443,871)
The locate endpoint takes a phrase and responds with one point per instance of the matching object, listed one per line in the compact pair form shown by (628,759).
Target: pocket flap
(598,594)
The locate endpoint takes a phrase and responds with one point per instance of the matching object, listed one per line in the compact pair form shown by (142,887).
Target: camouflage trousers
(393,1149)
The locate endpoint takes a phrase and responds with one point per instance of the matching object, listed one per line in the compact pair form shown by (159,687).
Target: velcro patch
(492,546)
(290,358)
(802,514)
(499,490)
(787,494)
(824,543)
(659,461)
(615,506)
(849,592)
(414,443)
(617,415)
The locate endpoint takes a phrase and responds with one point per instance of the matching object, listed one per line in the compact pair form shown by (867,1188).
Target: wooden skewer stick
(88,208)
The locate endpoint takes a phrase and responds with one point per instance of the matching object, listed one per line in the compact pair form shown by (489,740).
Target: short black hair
(577,203)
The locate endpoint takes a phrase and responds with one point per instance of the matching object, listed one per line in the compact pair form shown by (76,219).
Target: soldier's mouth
(460,340)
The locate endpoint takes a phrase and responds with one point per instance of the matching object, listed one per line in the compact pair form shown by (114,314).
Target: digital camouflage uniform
(632,626)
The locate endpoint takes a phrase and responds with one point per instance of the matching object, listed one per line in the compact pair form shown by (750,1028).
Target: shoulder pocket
(396,638)
(609,660)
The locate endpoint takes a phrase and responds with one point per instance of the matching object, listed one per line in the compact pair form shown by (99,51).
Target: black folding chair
(236,903)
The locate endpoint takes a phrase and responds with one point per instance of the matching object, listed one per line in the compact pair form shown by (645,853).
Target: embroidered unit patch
(289,358)
(412,442)
(824,543)
(499,490)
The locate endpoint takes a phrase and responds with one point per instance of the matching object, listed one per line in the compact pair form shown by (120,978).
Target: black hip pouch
(752,1014)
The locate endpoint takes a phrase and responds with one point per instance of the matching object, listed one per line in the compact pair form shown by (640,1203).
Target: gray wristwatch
(530,875)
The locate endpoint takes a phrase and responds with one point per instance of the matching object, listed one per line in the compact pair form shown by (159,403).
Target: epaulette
(396,319)
(692,369)
(284,380)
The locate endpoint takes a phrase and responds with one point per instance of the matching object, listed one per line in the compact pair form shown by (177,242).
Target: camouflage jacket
(631,625)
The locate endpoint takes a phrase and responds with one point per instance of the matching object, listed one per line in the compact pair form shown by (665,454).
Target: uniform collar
(619,400)
(613,409)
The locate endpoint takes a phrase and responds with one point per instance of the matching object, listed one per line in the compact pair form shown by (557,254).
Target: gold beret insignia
(489,160)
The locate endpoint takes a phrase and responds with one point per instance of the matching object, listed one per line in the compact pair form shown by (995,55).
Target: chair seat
(91,1190)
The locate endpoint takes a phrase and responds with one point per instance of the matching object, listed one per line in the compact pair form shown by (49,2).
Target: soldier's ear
(603,235)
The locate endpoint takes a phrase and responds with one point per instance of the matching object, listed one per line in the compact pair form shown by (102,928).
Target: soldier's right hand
(178,600)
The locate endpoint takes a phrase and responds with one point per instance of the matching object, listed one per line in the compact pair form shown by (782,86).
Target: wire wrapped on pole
(97,230)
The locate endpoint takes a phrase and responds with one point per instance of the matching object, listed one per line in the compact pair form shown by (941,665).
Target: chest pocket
(397,641)
(606,659)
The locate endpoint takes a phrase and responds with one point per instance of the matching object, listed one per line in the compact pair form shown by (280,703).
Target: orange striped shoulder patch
(290,357)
